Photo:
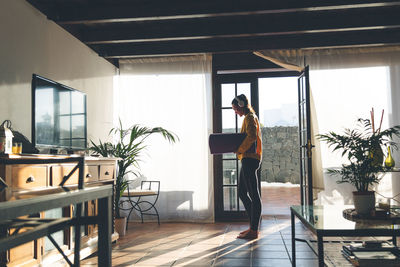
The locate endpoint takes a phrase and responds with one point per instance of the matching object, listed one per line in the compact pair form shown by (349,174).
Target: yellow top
(252,128)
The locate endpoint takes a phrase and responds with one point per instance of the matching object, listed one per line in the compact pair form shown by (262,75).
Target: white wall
(30,43)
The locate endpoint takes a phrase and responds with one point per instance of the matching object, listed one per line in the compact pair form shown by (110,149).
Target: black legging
(248,191)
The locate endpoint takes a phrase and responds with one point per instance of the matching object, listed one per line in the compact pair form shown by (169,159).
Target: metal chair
(138,199)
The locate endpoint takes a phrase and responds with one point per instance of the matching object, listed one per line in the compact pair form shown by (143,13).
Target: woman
(249,152)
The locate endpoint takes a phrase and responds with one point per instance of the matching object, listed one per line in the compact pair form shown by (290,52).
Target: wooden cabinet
(37,176)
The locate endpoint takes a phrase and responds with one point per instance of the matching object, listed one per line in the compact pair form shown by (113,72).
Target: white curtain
(174,93)
(295,62)
(346,84)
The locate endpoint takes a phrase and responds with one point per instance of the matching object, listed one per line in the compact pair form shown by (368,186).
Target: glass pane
(228,121)
(240,122)
(78,102)
(78,143)
(78,126)
(65,102)
(244,88)
(65,124)
(278,106)
(241,206)
(304,138)
(229,156)
(44,116)
(57,236)
(82,227)
(229,126)
(230,198)
(229,172)
(278,101)
(227,94)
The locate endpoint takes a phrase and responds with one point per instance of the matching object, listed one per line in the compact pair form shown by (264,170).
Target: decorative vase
(364,201)
(389,161)
(120,226)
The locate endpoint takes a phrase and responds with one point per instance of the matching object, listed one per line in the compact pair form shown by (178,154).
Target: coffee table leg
(293,239)
(320,242)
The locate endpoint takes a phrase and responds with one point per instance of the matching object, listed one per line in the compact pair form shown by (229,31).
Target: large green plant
(361,146)
(128,146)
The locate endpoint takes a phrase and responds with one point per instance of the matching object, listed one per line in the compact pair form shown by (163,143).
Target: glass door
(228,205)
(226,166)
(306,186)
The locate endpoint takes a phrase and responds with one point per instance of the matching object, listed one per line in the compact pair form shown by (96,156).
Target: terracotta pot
(120,226)
(364,202)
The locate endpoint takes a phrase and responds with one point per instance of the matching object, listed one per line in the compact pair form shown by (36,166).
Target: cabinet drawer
(106,172)
(24,255)
(28,177)
(92,173)
(58,173)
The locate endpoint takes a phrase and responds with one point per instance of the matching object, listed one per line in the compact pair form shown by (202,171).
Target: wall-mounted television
(58,116)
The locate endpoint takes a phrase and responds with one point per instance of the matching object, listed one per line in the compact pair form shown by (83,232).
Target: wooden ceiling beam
(238,44)
(137,28)
(242,26)
(97,11)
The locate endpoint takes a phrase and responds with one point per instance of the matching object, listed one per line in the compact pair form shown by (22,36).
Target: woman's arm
(251,134)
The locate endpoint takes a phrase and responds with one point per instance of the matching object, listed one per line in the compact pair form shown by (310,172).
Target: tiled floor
(190,244)
(200,244)
(277,199)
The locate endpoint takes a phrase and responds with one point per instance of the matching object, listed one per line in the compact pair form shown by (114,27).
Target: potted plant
(128,145)
(363,148)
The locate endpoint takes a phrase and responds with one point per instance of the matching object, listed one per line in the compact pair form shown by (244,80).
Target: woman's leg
(249,168)
(244,197)
(243,192)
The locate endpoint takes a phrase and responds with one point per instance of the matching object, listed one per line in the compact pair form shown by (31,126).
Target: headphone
(240,101)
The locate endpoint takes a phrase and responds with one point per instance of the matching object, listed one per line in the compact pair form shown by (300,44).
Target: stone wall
(280,161)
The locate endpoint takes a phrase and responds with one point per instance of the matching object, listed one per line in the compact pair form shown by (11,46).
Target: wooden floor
(215,244)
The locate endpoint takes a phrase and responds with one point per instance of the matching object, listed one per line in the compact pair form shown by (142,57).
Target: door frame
(218,79)
(306,180)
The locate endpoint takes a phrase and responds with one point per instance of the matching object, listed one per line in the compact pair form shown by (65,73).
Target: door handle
(309,147)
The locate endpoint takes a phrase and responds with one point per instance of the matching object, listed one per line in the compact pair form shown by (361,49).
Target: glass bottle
(389,161)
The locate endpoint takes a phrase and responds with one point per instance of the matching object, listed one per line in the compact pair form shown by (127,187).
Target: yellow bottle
(389,161)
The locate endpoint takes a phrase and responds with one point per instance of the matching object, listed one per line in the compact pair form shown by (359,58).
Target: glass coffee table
(328,221)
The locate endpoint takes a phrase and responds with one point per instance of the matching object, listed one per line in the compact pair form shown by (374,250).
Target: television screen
(58,115)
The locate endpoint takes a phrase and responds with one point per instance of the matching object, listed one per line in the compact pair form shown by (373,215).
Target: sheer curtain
(361,78)
(174,93)
(295,62)
(346,84)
